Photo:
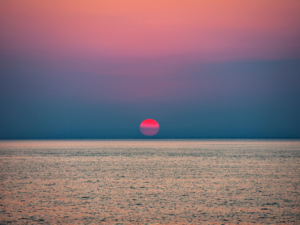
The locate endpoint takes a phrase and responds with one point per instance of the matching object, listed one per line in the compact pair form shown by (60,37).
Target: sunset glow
(207,30)
(94,68)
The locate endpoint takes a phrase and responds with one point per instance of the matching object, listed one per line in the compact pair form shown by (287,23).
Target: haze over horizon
(201,69)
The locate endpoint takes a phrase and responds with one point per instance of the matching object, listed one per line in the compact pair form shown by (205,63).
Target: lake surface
(150,182)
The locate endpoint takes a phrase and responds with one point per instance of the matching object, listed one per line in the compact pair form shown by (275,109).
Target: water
(155,182)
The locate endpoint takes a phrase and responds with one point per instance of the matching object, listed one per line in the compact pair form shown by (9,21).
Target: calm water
(154,182)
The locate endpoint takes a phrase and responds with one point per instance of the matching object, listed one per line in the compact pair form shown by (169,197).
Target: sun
(149,127)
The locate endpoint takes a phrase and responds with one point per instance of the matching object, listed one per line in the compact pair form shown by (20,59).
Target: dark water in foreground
(149,182)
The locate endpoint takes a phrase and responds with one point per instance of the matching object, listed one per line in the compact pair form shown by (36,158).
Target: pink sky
(206,30)
(144,47)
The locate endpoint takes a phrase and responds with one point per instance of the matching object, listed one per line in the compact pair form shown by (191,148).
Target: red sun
(149,127)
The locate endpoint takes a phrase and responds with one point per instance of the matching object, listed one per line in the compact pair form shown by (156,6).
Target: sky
(73,69)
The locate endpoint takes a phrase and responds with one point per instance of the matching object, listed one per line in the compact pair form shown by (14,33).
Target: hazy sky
(98,68)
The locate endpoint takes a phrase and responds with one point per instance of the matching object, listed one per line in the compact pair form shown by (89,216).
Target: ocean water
(150,182)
